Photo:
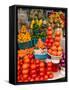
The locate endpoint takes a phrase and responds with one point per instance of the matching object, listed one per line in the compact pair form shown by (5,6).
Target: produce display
(23,35)
(56,48)
(30,69)
(41,56)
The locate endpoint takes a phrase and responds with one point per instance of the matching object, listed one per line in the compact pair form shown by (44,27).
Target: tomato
(41,78)
(46,77)
(47,40)
(42,73)
(50,51)
(25,66)
(26,61)
(26,57)
(37,61)
(57,39)
(19,72)
(25,71)
(20,62)
(32,61)
(49,28)
(42,64)
(51,40)
(33,66)
(26,80)
(42,69)
(37,78)
(31,56)
(49,44)
(49,68)
(29,78)
(51,75)
(33,75)
(25,76)
(57,44)
(33,71)
(18,67)
(32,79)
(49,64)
(49,32)
(48,72)
(57,33)
(49,36)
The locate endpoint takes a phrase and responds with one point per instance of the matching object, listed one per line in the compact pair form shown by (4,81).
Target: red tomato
(49,64)
(33,71)
(32,61)
(51,40)
(42,69)
(48,72)
(25,76)
(25,71)
(33,76)
(33,66)
(37,78)
(57,44)
(31,56)
(19,72)
(57,33)
(37,61)
(49,32)
(49,36)
(49,68)
(49,28)
(46,77)
(57,39)
(47,40)
(29,78)
(26,80)
(20,62)
(51,75)
(18,67)
(42,64)
(50,51)
(41,78)
(25,66)
(32,79)
(49,44)
(26,61)
(42,73)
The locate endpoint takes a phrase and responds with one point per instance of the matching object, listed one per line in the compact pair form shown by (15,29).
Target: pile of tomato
(31,69)
(49,39)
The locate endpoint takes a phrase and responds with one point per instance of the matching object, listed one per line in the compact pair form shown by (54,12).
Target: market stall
(41,42)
